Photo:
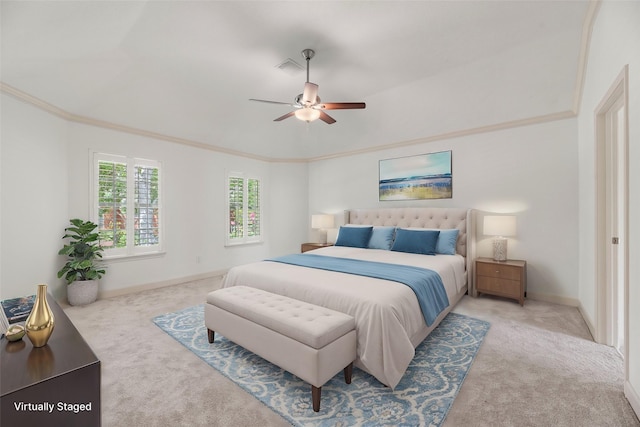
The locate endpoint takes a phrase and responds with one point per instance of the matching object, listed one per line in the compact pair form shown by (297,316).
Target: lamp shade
(307,114)
(503,225)
(332,235)
(322,221)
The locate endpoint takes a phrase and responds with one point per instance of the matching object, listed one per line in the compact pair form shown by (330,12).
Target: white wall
(615,42)
(34,197)
(531,171)
(194,203)
(289,218)
(45,182)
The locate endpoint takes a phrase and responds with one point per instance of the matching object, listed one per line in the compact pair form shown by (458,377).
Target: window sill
(233,244)
(134,257)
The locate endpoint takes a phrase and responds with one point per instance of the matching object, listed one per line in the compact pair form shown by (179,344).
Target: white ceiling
(186,69)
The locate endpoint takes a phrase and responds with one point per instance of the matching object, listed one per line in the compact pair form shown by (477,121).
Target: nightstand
(502,278)
(311,246)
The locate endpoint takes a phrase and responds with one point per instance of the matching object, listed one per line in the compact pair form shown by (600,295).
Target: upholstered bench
(313,343)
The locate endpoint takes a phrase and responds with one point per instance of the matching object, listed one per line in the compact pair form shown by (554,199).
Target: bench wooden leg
(348,371)
(210,334)
(315,396)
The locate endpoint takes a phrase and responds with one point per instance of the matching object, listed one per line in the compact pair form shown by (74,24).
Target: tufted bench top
(310,324)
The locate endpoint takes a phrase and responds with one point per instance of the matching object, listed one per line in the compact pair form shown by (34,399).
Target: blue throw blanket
(427,284)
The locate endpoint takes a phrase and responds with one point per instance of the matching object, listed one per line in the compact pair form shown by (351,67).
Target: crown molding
(154,135)
(52,109)
(587,30)
(159,136)
(583,58)
(36,102)
(562,115)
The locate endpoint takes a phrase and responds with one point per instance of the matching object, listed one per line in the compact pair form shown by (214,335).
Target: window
(244,209)
(126,204)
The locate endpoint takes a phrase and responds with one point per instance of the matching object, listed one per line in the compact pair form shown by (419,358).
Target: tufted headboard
(442,218)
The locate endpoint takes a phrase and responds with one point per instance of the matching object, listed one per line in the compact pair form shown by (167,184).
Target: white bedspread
(387,313)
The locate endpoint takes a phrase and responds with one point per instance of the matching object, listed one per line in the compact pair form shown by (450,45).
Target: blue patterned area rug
(422,398)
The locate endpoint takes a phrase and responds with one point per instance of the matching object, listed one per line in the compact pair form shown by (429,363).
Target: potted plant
(81,271)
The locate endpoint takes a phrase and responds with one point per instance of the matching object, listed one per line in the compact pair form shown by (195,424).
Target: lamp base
(500,249)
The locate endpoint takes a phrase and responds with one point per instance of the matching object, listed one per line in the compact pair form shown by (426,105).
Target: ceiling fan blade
(326,118)
(286,116)
(272,102)
(307,104)
(310,93)
(341,105)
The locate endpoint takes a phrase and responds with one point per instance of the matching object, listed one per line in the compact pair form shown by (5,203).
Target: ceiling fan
(308,106)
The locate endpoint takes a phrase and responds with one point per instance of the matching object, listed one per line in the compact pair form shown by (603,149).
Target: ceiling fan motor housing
(299,101)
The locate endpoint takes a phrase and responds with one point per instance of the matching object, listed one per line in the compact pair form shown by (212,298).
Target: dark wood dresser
(54,385)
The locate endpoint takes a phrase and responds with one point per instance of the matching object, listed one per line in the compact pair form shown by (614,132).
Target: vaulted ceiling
(185,70)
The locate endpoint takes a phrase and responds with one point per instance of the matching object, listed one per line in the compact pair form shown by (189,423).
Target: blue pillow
(447,242)
(356,237)
(381,238)
(416,241)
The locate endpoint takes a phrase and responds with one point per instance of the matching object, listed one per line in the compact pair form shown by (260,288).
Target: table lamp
(499,227)
(322,222)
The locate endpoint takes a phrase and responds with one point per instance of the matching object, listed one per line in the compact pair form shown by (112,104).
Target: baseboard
(633,397)
(571,302)
(162,284)
(587,320)
(555,299)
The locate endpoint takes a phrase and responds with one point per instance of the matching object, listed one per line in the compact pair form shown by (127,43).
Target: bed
(389,319)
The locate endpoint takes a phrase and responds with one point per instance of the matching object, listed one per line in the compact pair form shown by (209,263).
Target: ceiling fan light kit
(308,105)
(307,114)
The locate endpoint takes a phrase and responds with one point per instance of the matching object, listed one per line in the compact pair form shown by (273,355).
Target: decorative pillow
(381,238)
(356,237)
(447,240)
(416,241)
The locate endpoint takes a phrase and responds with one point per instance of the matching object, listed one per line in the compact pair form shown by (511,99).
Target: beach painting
(425,176)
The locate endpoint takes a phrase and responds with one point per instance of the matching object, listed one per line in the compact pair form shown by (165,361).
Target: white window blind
(127,204)
(146,230)
(244,209)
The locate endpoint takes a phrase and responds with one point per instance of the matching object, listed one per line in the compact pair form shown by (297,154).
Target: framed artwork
(425,176)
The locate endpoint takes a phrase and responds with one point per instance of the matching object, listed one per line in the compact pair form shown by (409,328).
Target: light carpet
(422,398)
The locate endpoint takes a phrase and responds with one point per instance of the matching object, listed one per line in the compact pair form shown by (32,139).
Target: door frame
(616,95)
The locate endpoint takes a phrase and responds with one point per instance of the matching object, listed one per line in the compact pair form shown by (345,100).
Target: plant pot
(82,292)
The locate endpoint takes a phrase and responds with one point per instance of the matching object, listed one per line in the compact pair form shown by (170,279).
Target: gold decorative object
(40,323)
(15,333)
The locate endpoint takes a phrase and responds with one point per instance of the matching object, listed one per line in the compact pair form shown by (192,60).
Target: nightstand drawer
(502,287)
(499,271)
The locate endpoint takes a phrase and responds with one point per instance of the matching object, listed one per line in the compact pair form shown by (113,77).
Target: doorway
(612,285)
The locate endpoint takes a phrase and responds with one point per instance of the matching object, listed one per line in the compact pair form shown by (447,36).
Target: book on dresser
(4,324)
(16,310)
